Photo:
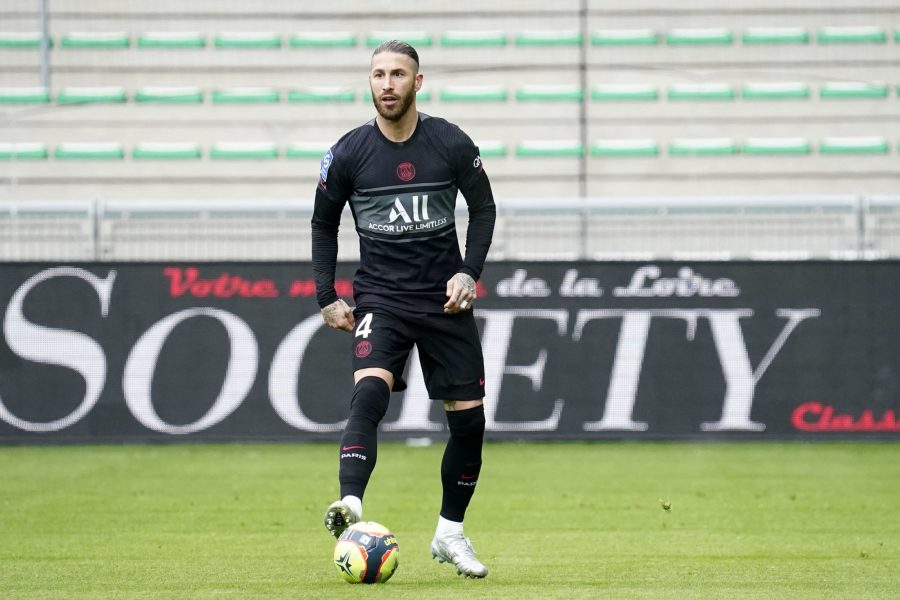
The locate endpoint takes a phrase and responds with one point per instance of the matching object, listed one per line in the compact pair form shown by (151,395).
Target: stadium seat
(549,148)
(92,95)
(419,39)
(24,95)
(21,39)
(89,151)
(624,92)
(624,37)
(171,40)
(775,35)
(776,146)
(473,93)
(169,95)
(314,150)
(852,35)
(109,40)
(624,148)
(244,150)
(246,95)
(248,40)
(548,38)
(709,36)
(321,94)
(23,151)
(775,90)
(322,39)
(854,145)
(166,151)
(848,90)
(702,147)
(491,148)
(454,39)
(701,91)
(551,93)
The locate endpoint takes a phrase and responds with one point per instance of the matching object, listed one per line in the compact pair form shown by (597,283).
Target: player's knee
(468,423)
(371,397)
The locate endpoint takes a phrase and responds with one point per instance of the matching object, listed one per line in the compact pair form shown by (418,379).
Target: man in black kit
(400,173)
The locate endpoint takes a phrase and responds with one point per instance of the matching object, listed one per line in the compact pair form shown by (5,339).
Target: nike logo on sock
(348,448)
(468,477)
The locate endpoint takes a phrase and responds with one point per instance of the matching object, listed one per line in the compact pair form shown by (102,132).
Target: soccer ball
(366,553)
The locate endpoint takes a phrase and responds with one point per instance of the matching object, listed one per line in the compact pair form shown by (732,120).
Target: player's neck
(401,130)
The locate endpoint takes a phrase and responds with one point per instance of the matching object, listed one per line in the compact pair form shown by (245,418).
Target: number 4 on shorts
(365,327)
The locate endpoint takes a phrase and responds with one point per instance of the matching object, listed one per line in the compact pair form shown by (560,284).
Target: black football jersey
(403,200)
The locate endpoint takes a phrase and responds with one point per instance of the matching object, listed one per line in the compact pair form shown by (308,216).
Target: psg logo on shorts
(406,171)
(363,349)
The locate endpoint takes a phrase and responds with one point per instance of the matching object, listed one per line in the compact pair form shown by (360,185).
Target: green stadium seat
(248,40)
(844,90)
(624,148)
(709,36)
(247,95)
(243,151)
(624,92)
(624,37)
(775,90)
(776,146)
(473,93)
(548,38)
(322,94)
(491,148)
(418,39)
(21,39)
(775,35)
(702,147)
(549,148)
(701,91)
(852,35)
(89,151)
(455,39)
(171,40)
(854,145)
(551,93)
(23,151)
(315,150)
(96,39)
(24,95)
(322,39)
(92,95)
(166,151)
(169,95)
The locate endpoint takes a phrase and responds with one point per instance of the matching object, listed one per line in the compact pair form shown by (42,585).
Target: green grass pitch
(555,520)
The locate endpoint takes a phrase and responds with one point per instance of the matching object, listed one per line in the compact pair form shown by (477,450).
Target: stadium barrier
(112,352)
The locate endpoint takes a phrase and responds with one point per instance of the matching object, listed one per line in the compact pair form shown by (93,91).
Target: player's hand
(338,315)
(461,292)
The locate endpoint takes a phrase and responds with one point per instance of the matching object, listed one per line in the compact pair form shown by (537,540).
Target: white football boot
(339,517)
(456,548)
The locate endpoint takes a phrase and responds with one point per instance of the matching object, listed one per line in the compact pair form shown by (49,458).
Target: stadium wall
(166,352)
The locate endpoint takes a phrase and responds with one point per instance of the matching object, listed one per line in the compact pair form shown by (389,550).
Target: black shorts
(449,349)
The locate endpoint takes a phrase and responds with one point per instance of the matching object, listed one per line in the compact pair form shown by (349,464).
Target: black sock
(359,443)
(462,461)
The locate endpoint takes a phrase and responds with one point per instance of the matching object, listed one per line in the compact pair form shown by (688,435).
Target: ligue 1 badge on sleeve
(326,164)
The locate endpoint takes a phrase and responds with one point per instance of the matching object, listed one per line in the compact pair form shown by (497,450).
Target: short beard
(396,113)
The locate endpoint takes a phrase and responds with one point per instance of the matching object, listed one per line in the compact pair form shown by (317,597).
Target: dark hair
(398,47)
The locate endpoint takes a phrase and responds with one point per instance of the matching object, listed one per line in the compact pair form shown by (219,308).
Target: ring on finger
(464,304)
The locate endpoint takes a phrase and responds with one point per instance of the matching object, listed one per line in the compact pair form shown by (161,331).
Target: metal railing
(754,228)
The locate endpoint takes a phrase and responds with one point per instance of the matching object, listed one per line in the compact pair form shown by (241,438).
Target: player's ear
(419,78)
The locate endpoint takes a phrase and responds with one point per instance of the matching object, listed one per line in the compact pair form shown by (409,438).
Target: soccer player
(400,173)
